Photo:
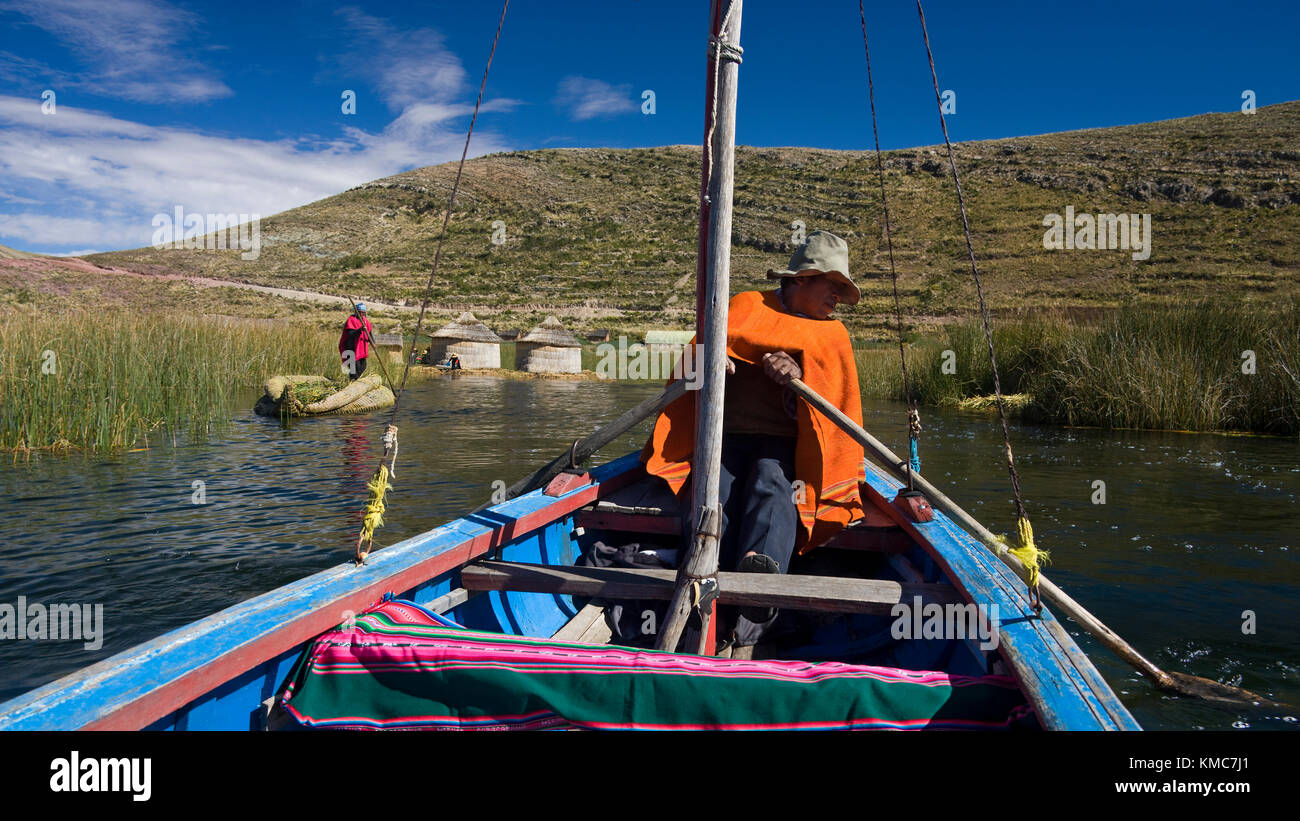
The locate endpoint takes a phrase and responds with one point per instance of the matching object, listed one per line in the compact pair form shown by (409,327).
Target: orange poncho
(827,460)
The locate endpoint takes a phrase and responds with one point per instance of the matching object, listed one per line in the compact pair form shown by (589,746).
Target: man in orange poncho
(789,478)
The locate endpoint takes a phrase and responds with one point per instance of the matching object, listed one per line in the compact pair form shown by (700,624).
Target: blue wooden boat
(225,671)
(510,569)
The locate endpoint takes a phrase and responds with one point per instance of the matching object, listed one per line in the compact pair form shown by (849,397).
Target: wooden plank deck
(587,627)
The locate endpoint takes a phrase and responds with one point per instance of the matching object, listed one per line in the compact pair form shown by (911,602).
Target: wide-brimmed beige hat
(822,253)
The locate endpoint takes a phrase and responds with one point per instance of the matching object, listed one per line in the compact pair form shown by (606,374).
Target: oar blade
(1185,684)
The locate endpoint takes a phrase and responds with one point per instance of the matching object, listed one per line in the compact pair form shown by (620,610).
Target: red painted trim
(711,633)
(900,519)
(634,522)
(873,517)
(163,700)
(892,540)
(916,508)
(565,482)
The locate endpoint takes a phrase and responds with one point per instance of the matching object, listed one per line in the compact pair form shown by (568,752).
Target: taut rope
(1028,553)
(913,415)
(378,486)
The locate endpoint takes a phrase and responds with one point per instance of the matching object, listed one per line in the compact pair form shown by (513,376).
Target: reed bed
(955,367)
(105,382)
(1160,367)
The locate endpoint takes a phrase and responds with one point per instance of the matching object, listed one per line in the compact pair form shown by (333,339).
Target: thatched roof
(466,328)
(552,334)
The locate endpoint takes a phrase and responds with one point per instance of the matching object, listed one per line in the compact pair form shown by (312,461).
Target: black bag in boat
(632,622)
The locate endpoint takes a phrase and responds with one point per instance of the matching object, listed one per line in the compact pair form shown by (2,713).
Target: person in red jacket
(354,343)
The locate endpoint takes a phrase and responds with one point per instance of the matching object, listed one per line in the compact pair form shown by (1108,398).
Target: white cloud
(405,67)
(102,178)
(586,98)
(133,48)
(41,229)
(20,200)
(80,177)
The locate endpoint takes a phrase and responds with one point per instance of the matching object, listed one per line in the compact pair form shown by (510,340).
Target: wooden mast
(706,164)
(697,575)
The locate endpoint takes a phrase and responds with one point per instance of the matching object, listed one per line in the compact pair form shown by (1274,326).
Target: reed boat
(509,571)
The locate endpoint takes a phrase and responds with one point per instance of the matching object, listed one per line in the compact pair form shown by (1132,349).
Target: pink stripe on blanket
(366,652)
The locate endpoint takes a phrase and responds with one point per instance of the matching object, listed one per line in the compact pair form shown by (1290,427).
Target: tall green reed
(1229,366)
(105,382)
(1192,366)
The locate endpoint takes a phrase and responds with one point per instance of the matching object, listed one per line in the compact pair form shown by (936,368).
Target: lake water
(1195,530)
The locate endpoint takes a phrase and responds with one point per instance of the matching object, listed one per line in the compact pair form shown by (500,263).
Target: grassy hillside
(608,236)
(9,253)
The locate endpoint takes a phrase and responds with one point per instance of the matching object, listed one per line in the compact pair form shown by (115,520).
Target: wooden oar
(1180,683)
(583,448)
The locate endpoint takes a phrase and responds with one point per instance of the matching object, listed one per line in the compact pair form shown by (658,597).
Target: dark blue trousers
(756,492)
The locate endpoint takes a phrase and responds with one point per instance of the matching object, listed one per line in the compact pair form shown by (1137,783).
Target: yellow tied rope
(378,486)
(1029,555)
(374,515)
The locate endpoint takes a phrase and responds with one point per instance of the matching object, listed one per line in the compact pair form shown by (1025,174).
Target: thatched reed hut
(469,339)
(548,348)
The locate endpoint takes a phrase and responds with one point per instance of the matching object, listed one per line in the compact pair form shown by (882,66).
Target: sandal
(758,563)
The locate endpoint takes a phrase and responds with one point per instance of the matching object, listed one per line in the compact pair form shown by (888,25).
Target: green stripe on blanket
(402,667)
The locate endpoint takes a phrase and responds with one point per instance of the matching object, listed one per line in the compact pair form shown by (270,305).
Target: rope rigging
(913,415)
(1027,552)
(379,486)
(719,51)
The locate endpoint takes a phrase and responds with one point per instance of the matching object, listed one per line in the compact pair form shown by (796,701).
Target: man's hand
(781,367)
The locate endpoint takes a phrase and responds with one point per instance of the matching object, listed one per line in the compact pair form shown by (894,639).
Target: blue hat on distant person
(361,306)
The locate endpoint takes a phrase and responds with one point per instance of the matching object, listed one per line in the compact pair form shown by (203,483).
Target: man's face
(816,296)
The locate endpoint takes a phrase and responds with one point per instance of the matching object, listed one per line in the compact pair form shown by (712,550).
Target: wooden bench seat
(875,532)
(795,592)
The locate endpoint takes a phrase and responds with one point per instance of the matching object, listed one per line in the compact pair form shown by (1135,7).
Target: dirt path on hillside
(49,268)
(289,293)
(52,265)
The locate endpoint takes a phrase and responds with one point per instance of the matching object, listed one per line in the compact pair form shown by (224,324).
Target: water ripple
(1192,532)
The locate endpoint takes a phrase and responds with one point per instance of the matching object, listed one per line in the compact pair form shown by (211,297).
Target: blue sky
(236,106)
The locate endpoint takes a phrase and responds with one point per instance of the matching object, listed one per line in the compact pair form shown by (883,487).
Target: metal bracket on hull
(914,505)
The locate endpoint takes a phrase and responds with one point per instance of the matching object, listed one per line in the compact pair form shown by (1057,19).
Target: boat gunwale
(138,686)
(159,677)
(981,577)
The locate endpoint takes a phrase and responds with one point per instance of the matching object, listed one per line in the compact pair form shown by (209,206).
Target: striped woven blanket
(403,667)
